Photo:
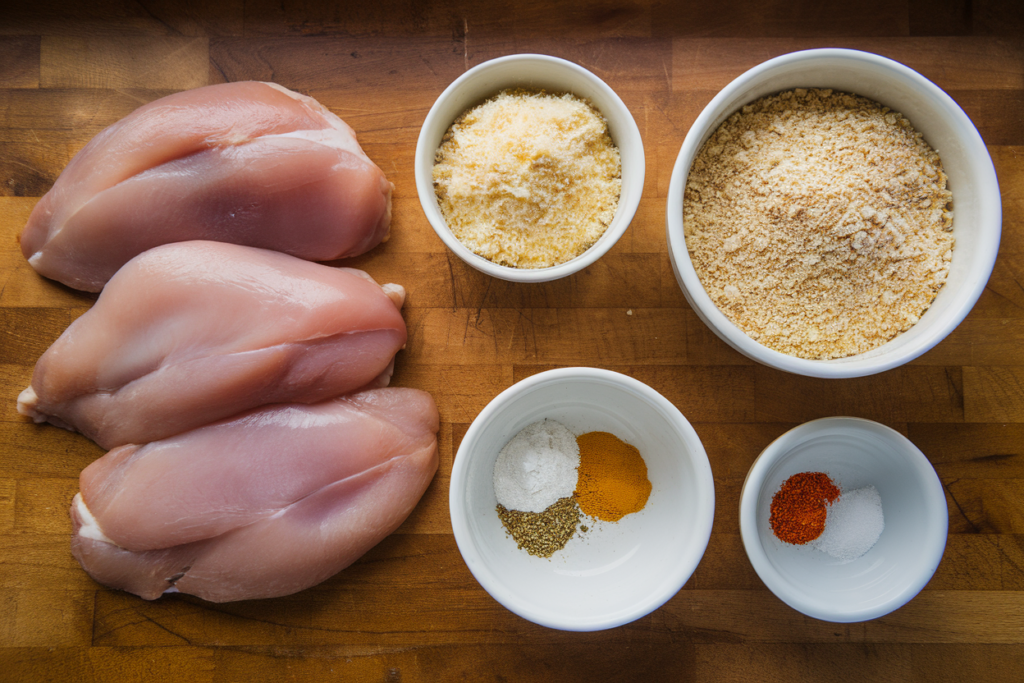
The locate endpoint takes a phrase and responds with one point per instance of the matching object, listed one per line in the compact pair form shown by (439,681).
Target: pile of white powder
(853,525)
(537,467)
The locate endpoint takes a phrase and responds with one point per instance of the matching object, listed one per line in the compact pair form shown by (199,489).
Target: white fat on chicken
(90,528)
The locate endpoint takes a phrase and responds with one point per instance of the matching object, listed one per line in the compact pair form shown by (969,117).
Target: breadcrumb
(819,222)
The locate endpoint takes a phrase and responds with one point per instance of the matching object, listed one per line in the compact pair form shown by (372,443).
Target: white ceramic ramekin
(977,222)
(615,572)
(538,72)
(855,453)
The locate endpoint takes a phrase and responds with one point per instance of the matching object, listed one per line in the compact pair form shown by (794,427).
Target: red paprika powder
(799,507)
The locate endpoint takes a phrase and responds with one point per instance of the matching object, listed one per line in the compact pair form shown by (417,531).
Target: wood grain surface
(410,610)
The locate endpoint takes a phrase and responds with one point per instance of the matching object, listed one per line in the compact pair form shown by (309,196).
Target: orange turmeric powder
(612,479)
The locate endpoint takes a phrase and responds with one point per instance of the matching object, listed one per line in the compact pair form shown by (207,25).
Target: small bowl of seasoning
(844,519)
(581,499)
(529,167)
(833,213)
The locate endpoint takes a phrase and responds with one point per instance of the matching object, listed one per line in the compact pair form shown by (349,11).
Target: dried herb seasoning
(542,533)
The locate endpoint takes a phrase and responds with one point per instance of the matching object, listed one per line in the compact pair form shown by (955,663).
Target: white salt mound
(537,467)
(853,525)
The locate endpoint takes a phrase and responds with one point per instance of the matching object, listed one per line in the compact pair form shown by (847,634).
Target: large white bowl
(537,72)
(977,221)
(616,572)
(854,453)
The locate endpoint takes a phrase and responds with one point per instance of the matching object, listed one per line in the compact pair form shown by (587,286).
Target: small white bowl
(854,453)
(615,572)
(539,72)
(977,206)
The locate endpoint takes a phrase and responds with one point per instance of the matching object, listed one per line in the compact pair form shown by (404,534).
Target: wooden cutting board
(410,610)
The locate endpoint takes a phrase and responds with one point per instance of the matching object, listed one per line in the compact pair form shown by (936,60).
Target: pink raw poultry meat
(248,163)
(262,505)
(189,333)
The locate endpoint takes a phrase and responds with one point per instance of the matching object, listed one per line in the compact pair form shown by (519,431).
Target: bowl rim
(678,574)
(935,498)
(628,138)
(987,239)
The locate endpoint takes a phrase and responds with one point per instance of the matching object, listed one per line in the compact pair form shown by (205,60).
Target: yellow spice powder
(613,479)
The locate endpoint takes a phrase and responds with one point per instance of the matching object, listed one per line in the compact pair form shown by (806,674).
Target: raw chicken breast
(262,505)
(248,163)
(189,333)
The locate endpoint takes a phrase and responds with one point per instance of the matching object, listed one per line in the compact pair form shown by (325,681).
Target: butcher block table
(410,610)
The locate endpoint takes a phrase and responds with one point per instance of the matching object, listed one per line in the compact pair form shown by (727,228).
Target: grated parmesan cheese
(527,179)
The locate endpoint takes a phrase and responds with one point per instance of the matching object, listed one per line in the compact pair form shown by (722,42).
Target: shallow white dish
(854,453)
(539,72)
(616,572)
(977,222)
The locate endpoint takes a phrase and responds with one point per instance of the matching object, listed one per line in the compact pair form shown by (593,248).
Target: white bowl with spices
(976,216)
(857,455)
(615,572)
(548,75)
